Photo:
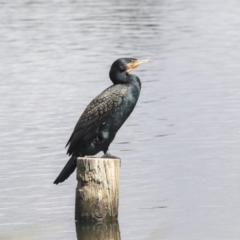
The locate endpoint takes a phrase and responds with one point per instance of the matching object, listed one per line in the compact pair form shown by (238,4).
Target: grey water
(180,173)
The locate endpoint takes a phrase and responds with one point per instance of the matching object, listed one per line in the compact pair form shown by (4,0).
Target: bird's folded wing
(95,114)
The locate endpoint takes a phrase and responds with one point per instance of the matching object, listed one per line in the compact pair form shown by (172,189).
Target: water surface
(180,170)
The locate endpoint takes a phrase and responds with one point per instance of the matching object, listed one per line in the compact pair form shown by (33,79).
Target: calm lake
(180,149)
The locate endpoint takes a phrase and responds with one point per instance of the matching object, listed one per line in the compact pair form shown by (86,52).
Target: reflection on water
(179,148)
(98,231)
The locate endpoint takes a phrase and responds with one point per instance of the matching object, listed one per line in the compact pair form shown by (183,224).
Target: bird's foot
(108,155)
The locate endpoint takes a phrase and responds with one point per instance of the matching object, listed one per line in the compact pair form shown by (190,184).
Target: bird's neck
(124,78)
(134,80)
(118,77)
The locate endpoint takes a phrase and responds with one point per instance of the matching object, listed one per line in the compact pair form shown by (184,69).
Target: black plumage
(99,123)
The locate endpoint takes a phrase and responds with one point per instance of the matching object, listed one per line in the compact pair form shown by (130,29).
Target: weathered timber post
(101,231)
(97,190)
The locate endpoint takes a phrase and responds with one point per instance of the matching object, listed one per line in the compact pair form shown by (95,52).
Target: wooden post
(103,231)
(97,189)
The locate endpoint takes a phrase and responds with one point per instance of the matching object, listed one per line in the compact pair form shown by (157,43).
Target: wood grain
(97,193)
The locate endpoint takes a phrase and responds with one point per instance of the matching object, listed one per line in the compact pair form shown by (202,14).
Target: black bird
(99,123)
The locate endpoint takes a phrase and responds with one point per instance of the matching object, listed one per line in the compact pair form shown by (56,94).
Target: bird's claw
(108,155)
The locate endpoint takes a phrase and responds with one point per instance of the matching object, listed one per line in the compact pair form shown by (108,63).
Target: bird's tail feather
(67,170)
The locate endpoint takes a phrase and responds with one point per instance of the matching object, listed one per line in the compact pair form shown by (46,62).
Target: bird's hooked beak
(133,64)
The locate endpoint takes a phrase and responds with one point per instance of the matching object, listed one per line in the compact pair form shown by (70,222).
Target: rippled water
(180,150)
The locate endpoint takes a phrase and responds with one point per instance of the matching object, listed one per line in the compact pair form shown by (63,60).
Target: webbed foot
(108,155)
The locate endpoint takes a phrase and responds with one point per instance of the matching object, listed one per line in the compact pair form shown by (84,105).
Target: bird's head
(121,67)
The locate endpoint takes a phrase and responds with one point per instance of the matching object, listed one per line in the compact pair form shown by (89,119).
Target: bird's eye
(123,68)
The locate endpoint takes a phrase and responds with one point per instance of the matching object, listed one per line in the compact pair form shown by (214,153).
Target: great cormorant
(99,123)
